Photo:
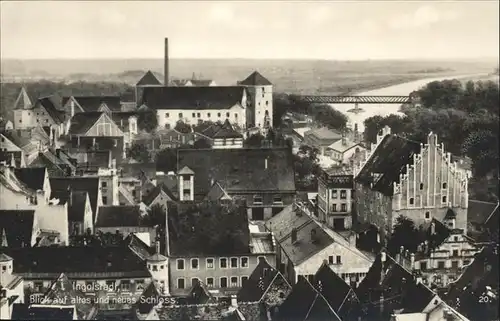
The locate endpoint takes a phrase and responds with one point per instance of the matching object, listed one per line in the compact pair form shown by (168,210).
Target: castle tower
(158,267)
(260,101)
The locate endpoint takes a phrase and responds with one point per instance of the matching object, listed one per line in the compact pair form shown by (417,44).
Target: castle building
(403,177)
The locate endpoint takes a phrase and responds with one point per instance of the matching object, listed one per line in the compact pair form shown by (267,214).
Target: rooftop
(16,227)
(224,130)
(25,311)
(324,133)
(341,146)
(60,185)
(33,178)
(92,103)
(121,216)
(255,79)
(241,169)
(148,79)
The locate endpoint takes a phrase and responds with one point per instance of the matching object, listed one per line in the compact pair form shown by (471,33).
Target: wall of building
(373,207)
(55,218)
(235,114)
(104,127)
(432,186)
(228,143)
(261,98)
(330,205)
(31,118)
(216,273)
(268,205)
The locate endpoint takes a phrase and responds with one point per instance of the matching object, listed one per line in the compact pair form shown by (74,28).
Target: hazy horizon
(250,30)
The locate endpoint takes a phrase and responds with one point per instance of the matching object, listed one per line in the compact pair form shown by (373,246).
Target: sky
(349,30)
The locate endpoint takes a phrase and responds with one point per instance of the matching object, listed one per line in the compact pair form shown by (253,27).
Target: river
(387,109)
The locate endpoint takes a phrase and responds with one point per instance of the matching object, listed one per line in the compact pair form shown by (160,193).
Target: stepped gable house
(262,177)
(402,177)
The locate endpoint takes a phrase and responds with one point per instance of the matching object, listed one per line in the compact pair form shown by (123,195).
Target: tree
(328,116)
(166,160)
(254,140)
(404,234)
(482,147)
(182,127)
(140,153)
(310,152)
(147,120)
(202,143)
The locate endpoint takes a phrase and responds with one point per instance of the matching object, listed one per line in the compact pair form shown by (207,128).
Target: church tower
(260,101)
(158,267)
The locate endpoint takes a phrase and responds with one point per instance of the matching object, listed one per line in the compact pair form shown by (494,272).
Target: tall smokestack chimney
(165,71)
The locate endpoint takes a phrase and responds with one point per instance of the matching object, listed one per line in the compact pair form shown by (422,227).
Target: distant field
(297,76)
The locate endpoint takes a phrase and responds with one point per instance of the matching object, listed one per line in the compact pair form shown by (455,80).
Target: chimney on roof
(165,70)
(294,235)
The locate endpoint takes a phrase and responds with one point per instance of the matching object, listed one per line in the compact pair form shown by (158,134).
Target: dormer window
(257,199)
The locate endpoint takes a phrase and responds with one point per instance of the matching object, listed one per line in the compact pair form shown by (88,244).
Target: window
(234,262)
(104,184)
(423,266)
(455,253)
(427,215)
(194,264)
(218,115)
(339,259)
(330,259)
(227,115)
(223,263)
(421,186)
(267,103)
(194,115)
(161,267)
(234,281)
(235,115)
(277,200)
(125,285)
(193,281)
(4,268)
(444,185)
(46,120)
(208,115)
(334,208)
(223,282)
(412,200)
(244,262)
(199,115)
(180,283)
(343,194)
(210,282)
(210,263)
(334,193)
(155,267)
(257,199)
(105,200)
(167,115)
(454,264)
(444,199)
(104,129)
(343,207)
(180,264)
(440,264)
(243,280)
(180,115)
(455,238)
(110,285)
(39,286)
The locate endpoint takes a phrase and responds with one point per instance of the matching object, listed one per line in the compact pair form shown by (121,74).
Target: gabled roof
(119,260)
(148,79)
(140,248)
(190,98)
(5,257)
(92,103)
(62,290)
(23,100)
(388,161)
(52,106)
(263,277)
(86,184)
(199,294)
(208,228)
(255,79)
(148,199)
(149,296)
(120,216)
(224,130)
(217,193)
(17,138)
(324,133)
(305,303)
(340,147)
(33,178)
(240,169)
(82,122)
(16,226)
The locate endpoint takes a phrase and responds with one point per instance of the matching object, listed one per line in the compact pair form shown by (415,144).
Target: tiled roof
(70,260)
(19,140)
(62,290)
(121,216)
(92,103)
(149,198)
(340,147)
(52,106)
(239,170)
(149,296)
(192,312)
(224,130)
(16,226)
(82,122)
(305,303)
(478,211)
(76,208)
(217,193)
(339,295)
(5,257)
(33,178)
(208,228)
(264,279)
(199,294)
(324,133)
(255,79)
(148,79)
(389,160)
(140,248)
(190,98)
(25,311)
(121,119)
(284,222)
(86,184)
